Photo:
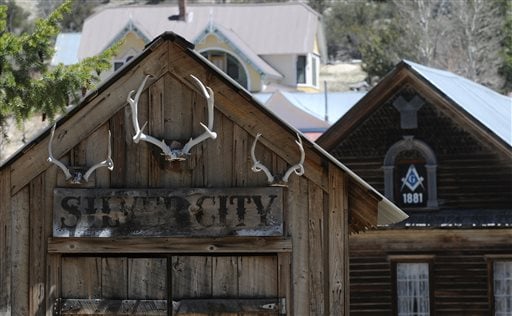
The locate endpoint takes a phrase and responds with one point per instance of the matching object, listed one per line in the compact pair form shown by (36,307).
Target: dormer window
(307,70)
(410,178)
(120,62)
(229,64)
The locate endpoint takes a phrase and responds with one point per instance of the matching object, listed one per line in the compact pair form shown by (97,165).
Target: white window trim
(309,71)
(492,259)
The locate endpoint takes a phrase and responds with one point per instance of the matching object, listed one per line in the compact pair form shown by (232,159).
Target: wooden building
(439,146)
(177,229)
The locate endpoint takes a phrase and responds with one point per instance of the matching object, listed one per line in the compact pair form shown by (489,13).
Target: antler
(258,166)
(55,161)
(208,94)
(109,163)
(297,168)
(173,154)
(76,177)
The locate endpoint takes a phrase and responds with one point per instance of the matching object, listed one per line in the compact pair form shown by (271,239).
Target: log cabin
(439,146)
(169,190)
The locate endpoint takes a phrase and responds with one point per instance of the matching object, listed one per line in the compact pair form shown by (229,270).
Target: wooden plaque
(168,212)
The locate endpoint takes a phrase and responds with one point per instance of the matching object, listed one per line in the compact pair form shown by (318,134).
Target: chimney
(182,6)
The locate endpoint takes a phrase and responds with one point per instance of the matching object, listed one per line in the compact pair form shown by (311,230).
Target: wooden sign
(168,212)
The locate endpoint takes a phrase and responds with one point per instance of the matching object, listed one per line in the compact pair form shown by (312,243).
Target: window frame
(226,56)
(491,259)
(311,70)
(395,260)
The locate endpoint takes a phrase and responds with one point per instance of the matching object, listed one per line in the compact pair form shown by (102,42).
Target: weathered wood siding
(469,173)
(307,265)
(460,273)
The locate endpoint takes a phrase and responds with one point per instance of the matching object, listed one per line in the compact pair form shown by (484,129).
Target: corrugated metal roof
(66,47)
(487,106)
(283,28)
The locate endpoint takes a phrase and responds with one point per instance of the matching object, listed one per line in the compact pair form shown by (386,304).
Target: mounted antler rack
(76,175)
(272,180)
(169,153)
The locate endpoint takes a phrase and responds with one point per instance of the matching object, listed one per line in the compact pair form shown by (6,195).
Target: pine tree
(28,85)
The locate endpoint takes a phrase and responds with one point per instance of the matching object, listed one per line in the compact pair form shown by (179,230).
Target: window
(307,67)
(301,68)
(410,178)
(502,287)
(412,289)
(229,64)
(119,63)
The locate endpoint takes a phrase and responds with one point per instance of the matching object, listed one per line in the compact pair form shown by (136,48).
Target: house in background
(439,146)
(263,47)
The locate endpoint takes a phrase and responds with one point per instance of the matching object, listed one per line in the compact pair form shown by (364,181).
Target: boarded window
(502,288)
(413,294)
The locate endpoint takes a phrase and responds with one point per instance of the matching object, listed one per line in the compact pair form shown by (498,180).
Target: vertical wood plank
(20,252)
(137,155)
(298,221)
(337,247)
(178,108)
(345,229)
(316,250)
(191,277)
(119,130)
(114,276)
(37,243)
(241,157)
(53,263)
(81,277)
(257,278)
(224,278)
(284,280)
(218,157)
(96,150)
(5,242)
(53,285)
(156,129)
(147,278)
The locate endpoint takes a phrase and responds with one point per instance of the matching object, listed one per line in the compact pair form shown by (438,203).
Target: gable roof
(293,26)
(23,170)
(487,106)
(242,50)
(487,113)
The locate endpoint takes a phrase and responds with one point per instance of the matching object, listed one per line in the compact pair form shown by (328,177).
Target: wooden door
(170,285)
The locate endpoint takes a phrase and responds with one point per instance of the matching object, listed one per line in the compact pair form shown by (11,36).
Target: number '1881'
(412,198)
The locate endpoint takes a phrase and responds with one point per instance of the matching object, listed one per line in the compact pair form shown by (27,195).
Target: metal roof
(457,218)
(492,109)
(280,28)
(66,47)
(337,103)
